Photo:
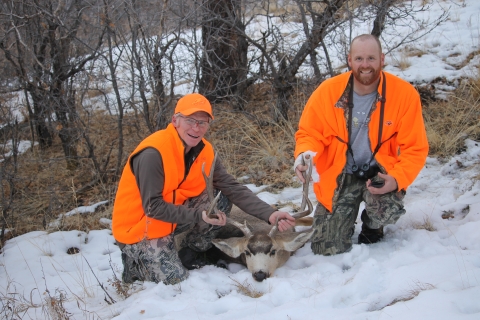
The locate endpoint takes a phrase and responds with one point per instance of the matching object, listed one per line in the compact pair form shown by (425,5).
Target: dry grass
(426,224)
(43,188)
(246,289)
(449,123)
(417,288)
(263,152)
(82,221)
(404,61)
(15,305)
(54,307)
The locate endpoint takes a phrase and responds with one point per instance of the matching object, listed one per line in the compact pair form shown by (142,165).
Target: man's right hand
(220,220)
(300,167)
(299,172)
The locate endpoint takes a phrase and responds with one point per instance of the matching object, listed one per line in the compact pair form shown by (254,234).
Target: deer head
(266,249)
(261,253)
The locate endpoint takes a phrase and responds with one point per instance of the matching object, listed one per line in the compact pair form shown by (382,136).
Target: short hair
(366,37)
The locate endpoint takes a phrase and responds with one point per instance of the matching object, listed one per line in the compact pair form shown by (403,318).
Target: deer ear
(293,241)
(231,247)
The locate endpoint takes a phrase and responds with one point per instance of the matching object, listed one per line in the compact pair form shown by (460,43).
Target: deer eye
(247,253)
(272,253)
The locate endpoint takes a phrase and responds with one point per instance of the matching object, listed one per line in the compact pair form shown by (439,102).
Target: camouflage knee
(153,260)
(383,209)
(332,235)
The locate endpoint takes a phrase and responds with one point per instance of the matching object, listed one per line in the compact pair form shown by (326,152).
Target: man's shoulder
(399,87)
(334,85)
(396,80)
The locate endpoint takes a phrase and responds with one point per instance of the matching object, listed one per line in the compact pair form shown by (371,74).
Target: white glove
(299,160)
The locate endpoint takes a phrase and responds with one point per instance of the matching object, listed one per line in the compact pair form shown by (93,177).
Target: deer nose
(260,276)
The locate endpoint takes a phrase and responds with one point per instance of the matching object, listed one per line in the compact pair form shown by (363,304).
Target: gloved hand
(299,168)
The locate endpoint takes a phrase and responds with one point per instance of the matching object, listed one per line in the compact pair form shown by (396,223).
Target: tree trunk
(379,23)
(37,118)
(224,61)
(68,133)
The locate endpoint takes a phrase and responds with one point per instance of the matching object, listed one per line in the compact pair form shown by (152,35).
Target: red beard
(367,79)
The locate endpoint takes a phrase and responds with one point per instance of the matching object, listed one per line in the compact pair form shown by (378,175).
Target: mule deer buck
(256,244)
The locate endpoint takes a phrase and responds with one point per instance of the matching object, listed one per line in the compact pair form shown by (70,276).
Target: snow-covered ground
(413,273)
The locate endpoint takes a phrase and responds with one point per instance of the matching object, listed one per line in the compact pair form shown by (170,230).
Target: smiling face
(366,61)
(190,134)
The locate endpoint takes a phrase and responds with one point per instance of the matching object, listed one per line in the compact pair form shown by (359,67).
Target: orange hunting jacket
(324,121)
(129,222)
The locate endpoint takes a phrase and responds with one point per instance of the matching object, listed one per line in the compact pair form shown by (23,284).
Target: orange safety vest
(323,122)
(129,222)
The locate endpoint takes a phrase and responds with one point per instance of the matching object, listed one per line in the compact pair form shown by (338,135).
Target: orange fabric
(129,222)
(322,121)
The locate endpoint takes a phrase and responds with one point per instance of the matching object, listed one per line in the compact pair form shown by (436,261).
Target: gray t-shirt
(360,143)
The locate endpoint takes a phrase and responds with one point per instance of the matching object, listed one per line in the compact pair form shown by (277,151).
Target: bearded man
(365,131)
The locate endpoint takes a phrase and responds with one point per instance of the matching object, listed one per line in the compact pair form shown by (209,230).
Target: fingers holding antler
(305,200)
(307,160)
(213,215)
(218,219)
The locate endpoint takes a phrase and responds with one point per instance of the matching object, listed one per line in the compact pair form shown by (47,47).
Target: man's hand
(285,220)
(299,172)
(390,185)
(300,167)
(220,220)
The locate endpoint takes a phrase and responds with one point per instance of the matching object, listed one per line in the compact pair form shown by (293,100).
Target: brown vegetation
(450,122)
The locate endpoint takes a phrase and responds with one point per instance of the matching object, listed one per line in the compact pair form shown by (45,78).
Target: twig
(100,284)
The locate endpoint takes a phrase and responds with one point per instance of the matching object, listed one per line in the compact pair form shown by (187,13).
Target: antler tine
(274,230)
(243,227)
(305,200)
(213,201)
(209,183)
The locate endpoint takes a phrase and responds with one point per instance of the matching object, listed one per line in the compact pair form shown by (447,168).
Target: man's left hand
(285,220)
(389,186)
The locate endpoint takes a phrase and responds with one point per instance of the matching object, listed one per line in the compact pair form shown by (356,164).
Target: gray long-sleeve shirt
(149,173)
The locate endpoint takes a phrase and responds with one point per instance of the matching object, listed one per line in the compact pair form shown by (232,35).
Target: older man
(162,194)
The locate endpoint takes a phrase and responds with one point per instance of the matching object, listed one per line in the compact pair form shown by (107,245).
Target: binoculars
(365,171)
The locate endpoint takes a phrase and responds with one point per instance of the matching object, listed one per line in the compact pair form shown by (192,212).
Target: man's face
(189,129)
(366,61)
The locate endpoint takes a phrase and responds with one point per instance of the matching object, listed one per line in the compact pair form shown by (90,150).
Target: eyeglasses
(192,122)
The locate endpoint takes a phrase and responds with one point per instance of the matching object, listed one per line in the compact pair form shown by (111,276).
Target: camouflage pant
(158,260)
(333,232)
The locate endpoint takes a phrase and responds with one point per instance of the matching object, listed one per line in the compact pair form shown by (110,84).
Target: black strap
(382,113)
(380,121)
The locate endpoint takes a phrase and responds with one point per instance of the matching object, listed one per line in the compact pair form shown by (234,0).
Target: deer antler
(307,175)
(213,201)
(305,200)
(209,183)
(243,227)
